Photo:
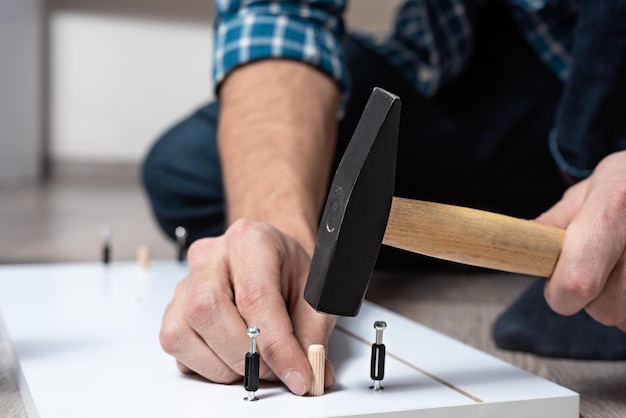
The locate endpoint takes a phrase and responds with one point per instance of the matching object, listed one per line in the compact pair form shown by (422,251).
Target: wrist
(276,149)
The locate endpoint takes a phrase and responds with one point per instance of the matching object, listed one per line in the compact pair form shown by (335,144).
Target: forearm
(276,136)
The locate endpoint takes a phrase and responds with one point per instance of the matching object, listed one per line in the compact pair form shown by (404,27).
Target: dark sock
(530,325)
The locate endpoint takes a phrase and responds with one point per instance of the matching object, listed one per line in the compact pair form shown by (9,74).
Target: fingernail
(295,382)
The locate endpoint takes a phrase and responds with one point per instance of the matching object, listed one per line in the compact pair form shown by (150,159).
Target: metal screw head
(380,325)
(253,332)
(180,232)
(107,233)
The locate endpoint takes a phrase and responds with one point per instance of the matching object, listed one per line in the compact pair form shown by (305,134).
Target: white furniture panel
(86,337)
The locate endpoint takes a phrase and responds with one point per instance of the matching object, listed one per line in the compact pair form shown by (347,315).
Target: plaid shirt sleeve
(548,28)
(433,39)
(306,31)
(432,42)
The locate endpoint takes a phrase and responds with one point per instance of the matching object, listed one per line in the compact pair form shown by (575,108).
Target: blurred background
(85,87)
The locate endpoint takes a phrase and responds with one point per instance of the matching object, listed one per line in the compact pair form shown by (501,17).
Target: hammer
(361,213)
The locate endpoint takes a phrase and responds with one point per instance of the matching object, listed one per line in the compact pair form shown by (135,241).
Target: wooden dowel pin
(317,358)
(143,257)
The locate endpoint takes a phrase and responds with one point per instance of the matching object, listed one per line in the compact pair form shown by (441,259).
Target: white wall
(118,82)
(20,91)
(122,71)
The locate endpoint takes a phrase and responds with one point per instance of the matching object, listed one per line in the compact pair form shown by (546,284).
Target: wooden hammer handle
(474,237)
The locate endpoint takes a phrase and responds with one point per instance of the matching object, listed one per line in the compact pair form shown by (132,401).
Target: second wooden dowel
(317,358)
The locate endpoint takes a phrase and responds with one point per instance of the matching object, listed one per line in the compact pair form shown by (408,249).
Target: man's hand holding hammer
(591,271)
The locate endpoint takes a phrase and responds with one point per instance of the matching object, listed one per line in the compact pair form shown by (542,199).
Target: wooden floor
(62,221)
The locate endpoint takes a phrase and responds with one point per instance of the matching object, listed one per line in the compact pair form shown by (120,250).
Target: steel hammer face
(355,216)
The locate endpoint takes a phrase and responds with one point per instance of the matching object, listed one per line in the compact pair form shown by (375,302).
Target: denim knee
(182,177)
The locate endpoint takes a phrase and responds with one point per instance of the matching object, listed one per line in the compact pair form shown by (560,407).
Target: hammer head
(355,216)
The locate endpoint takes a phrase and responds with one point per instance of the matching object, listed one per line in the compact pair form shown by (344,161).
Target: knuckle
(250,298)
(199,248)
(241,228)
(250,232)
(179,290)
(571,193)
(582,285)
(241,225)
(200,309)
(617,199)
(171,336)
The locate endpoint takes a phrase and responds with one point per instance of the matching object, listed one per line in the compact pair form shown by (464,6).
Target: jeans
(481,141)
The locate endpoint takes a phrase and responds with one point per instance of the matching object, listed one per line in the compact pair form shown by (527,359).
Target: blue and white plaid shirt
(431,44)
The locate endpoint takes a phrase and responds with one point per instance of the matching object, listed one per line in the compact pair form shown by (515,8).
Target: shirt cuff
(277,30)
(571,174)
